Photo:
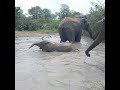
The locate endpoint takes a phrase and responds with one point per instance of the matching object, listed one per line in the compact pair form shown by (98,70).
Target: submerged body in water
(54,47)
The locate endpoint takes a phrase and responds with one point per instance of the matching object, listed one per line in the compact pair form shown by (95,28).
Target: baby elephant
(48,46)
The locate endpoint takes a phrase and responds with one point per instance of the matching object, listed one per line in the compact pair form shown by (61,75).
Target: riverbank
(31,33)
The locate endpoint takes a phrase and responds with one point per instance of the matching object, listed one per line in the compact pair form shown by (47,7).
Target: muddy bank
(30,34)
(37,70)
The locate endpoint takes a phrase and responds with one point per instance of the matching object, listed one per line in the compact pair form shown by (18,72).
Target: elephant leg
(78,37)
(44,50)
(71,39)
(70,36)
(63,40)
(97,41)
(62,36)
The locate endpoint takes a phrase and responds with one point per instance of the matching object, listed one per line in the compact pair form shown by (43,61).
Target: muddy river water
(37,70)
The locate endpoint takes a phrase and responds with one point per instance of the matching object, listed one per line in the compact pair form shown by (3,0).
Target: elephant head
(40,44)
(99,38)
(85,26)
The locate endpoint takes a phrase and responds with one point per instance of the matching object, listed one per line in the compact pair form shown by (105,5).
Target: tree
(64,11)
(46,13)
(96,13)
(53,16)
(18,16)
(18,12)
(54,24)
(74,13)
(36,12)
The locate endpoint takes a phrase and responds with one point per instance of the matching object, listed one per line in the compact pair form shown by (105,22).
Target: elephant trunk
(90,32)
(37,44)
(95,36)
(97,41)
(100,37)
(31,46)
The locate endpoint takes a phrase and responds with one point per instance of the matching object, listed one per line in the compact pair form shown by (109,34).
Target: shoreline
(31,33)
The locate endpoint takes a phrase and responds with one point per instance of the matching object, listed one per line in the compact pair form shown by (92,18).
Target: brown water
(37,70)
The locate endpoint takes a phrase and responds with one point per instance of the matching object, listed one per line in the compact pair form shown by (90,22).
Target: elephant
(100,37)
(48,46)
(71,29)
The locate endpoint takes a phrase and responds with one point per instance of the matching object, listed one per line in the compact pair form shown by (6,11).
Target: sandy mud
(37,70)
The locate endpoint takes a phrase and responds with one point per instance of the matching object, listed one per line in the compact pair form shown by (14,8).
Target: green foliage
(30,24)
(97,12)
(55,24)
(26,23)
(46,14)
(18,13)
(36,12)
(45,21)
(64,11)
(36,21)
(53,16)
(18,16)
(75,13)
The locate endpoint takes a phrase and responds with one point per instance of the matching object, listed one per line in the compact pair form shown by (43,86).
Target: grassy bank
(34,33)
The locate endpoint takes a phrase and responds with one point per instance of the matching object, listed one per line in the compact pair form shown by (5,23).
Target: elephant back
(68,19)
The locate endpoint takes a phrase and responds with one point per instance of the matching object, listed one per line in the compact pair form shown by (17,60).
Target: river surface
(37,70)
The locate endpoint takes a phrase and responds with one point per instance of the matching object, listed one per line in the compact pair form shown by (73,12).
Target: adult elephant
(100,37)
(71,29)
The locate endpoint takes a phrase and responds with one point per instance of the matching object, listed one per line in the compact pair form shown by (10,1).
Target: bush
(30,24)
(96,13)
(54,24)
